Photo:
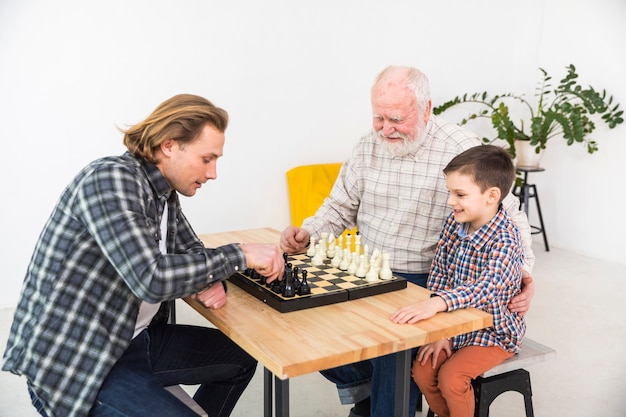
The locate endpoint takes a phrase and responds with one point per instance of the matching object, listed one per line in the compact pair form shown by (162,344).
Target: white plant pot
(526,155)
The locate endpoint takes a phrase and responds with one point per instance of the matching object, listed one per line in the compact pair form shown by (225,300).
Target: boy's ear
(494,195)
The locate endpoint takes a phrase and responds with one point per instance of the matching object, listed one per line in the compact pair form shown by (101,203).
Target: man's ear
(167,145)
(427,111)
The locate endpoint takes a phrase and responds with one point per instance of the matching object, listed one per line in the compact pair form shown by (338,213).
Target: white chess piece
(361,269)
(376,260)
(323,244)
(353,266)
(385,269)
(317,259)
(345,260)
(311,251)
(336,259)
(349,242)
(372,274)
(332,246)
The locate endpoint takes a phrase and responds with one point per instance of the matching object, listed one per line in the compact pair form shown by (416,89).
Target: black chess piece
(288,289)
(275,286)
(296,279)
(304,285)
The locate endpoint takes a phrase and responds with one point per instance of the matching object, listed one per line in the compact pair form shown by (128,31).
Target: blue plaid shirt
(482,270)
(96,259)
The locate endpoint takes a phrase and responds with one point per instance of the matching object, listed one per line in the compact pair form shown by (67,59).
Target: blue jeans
(375,378)
(170,354)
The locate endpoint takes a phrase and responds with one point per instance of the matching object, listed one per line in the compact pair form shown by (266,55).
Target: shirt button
(237,268)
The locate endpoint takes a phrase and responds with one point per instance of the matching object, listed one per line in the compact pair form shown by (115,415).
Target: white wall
(295,79)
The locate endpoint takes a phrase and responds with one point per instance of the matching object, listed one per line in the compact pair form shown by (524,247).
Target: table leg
(267,392)
(403,380)
(282,397)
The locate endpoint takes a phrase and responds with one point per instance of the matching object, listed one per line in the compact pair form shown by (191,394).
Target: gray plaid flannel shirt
(96,259)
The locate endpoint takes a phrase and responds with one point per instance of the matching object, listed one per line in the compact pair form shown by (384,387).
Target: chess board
(329,285)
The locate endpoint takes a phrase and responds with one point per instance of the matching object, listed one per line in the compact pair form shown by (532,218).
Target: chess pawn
(385,269)
(336,259)
(311,251)
(317,259)
(345,260)
(304,285)
(353,264)
(361,270)
(372,274)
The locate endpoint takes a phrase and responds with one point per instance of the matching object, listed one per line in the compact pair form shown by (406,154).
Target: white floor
(579,309)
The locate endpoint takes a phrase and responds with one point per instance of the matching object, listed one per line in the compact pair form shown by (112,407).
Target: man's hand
(265,258)
(520,304)
(294,239)
(212,297)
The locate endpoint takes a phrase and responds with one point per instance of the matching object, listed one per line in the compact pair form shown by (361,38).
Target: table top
(300,342)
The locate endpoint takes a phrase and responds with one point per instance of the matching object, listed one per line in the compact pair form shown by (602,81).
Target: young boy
(478,263)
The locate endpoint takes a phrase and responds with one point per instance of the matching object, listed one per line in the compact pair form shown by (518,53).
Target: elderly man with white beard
(393,189)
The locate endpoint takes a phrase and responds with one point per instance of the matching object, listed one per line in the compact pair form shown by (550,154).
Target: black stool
(509,376)
(527,191)
(486,390)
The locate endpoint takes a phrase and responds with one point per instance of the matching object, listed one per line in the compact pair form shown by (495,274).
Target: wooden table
(300,342)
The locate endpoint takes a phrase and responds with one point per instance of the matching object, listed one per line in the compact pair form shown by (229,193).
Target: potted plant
(567,111)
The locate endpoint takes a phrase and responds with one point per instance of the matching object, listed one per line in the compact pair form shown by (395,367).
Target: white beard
(405,147)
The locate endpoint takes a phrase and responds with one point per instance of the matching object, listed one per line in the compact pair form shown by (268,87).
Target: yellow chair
(308,186)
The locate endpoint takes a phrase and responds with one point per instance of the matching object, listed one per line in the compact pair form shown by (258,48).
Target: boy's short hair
(489,166)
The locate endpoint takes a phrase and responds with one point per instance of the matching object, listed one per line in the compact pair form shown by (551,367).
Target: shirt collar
(156,179)
(485,234)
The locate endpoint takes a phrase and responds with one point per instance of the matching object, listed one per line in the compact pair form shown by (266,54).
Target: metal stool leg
(543,228)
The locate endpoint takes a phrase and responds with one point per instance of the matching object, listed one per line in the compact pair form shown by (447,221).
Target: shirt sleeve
(511,205)
(116,207)
(339,210)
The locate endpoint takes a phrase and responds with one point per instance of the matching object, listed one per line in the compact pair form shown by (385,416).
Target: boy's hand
(419,311)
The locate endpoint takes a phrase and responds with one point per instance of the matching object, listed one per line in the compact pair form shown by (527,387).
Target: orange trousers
(448,387)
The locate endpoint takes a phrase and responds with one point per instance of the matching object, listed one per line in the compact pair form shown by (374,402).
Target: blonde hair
(180,118)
